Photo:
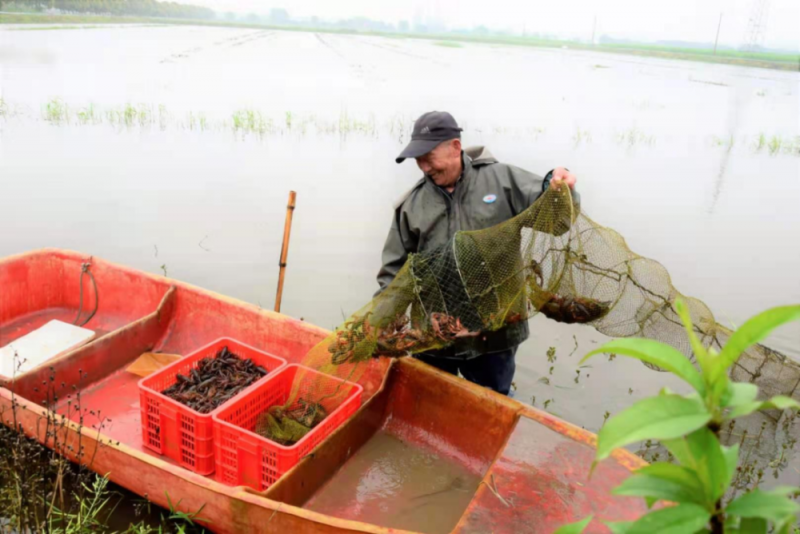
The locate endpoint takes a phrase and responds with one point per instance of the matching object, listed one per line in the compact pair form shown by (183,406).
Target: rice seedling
(633,137)
(252,121)
(163,117)
(89,115)
(536,131)
(3,108)
(56,111)
(724,142)
(774,145)
(760,143)
(792,148)
(195,121)
(348,125)
(581,136)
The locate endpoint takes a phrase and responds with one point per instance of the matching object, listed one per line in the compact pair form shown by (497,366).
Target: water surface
(193,182)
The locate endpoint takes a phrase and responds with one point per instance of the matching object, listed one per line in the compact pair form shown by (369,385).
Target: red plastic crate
(175,430)
(245,458)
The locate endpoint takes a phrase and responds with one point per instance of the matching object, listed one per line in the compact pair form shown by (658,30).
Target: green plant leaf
(679,448)
(663,417)
(769,505)
(655,353)
(672,520)
(697,347)
(731,455)
(738,394)
(712,464)
(574,528)
(618,527)
(783,490)
(754,330)
(753,525)
(701,452)
(779,402)
(663,481)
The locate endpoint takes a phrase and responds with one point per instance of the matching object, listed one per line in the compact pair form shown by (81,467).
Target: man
(461,190)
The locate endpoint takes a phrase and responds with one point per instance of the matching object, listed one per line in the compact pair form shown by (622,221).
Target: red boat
(532,467)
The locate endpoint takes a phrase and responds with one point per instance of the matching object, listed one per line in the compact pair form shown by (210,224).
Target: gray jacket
(427,217)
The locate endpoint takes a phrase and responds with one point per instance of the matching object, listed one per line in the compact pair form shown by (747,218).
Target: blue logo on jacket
(489,198)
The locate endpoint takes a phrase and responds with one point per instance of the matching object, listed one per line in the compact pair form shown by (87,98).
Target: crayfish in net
(448,328)
(569,310)
(287,426)
(359,340)
(354,341)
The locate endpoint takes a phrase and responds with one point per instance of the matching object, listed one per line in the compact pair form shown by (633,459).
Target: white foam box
(43,344)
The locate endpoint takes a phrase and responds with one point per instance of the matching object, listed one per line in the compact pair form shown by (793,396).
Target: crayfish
(214,381)
(574,309)
(287,426)
(354,341)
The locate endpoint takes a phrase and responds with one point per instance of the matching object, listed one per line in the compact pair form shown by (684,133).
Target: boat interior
(421,442)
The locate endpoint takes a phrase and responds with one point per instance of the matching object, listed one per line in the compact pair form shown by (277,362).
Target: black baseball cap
(430,130)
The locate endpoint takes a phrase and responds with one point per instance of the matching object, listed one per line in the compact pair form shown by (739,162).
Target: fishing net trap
(551,259)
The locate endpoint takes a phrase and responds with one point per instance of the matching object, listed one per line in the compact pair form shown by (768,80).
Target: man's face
(443,163)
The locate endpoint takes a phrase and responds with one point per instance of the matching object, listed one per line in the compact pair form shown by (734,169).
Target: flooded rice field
(172,150)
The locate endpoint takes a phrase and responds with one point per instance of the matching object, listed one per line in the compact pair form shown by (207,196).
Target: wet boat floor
(111,406)
(393,484)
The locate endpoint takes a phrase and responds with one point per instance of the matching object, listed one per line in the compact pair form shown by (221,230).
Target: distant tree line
(142,8)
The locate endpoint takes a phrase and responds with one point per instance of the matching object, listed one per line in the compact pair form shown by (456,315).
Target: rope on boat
(85,270)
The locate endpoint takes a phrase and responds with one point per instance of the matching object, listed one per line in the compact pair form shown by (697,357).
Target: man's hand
(562,175)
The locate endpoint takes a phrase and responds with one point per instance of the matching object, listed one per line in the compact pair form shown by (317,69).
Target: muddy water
(393,484)
(668,153)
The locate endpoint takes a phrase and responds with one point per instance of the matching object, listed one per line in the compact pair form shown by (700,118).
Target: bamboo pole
(287,230)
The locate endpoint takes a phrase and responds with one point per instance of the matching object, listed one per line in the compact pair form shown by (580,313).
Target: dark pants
(494,370)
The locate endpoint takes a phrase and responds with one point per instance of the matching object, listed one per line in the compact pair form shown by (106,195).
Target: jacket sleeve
(400,242)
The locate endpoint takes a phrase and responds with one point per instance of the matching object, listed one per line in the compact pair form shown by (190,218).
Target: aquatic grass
(724,142)
(262,123)
(252,121)
(4,111)
(130,115)
(581,136)
(792,148)
(56,111)
(777,144)
(760,143)
(196,121)
(163,117)
(774,145)
(633,137)
(348,124)
(89,115)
